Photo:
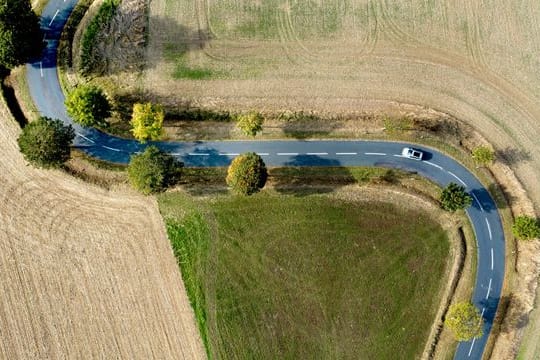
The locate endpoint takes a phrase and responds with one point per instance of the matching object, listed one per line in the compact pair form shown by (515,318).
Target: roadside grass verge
(307,276)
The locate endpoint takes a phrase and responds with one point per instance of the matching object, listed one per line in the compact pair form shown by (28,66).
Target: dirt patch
(85,272)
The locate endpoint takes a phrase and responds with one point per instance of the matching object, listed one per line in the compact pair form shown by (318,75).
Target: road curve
(49,99)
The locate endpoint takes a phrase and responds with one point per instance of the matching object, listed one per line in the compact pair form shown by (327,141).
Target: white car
(411,153)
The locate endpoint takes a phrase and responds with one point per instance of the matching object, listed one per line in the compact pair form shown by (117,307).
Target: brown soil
(86,273)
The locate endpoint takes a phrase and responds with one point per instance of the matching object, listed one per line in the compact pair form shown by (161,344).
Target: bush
(46,142)
(88,106)
(147,122)
(250,124)
(454,197)
(483,155)
(526,228)
(247,174)
(20,35)
(102,18)
(465,321)
(153,171)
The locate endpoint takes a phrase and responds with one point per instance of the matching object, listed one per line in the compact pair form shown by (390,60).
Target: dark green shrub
(153,171)
(46,142)
(247,174)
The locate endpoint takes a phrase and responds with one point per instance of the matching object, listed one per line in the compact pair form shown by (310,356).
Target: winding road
(49,99)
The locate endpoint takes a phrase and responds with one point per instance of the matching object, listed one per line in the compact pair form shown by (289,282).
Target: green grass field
(307,277)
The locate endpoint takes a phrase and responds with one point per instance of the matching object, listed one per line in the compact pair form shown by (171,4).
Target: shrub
(247,174)
(103,17)
(250,123)
(147,122)
(88,106)
(483,155)
(465,321)
(454,197)
(46,142)
(526,227)
(153,171)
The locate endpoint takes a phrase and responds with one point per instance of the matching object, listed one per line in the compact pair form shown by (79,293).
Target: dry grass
(86,273)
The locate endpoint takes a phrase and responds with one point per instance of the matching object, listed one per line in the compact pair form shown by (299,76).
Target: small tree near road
(250,123)
(88,106)
(153,171)
(454,197)
(247,174)
(483,155)
(465,321)
(46,142)
(20,35)
(147,122)
(526,227)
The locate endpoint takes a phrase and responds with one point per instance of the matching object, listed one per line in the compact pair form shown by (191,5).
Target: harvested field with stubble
(476,61)
(86,273)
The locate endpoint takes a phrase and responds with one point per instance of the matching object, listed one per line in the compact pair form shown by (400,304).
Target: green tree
(147,122)
(526,227)
(483,155)
(20,35)
(250,123)
(153,171)
(465,321)
(454,197)
(88,106)
(46,142)
(247,174)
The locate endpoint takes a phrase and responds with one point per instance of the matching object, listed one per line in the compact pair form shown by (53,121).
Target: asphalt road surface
(49,99)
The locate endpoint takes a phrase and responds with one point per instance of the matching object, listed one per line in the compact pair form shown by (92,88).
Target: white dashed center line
(489,229)
(483,309)
(317,154)
(492,259)
(229,154)
(478,202)
(263,154)
(434,165)
(458,178)
(85,138)
(55,14)
(472,345)
(110,148)
(489,289)
(347,153)
(198,154)
(375,153)
(287,154)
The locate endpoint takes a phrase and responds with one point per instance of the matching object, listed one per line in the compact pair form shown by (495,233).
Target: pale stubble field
(474,60)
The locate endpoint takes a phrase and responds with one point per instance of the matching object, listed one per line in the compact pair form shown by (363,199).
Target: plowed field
(85,273)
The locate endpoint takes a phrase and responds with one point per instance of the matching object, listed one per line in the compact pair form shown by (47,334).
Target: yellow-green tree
(250,123)
(147,121)
(247,174)
(465,321)
(526,227)
(483,155)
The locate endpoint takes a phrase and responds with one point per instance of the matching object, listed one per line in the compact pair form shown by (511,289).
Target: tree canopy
(526,227)
(153,170)
(454,198)
(465,321)
(483,155)
(250,123)
(88,106)
(20,35)
(46,142)
(147,122)
(247,174)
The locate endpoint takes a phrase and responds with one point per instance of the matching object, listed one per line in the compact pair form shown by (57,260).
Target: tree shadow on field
(309,174)
(512,156)
(172,41)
